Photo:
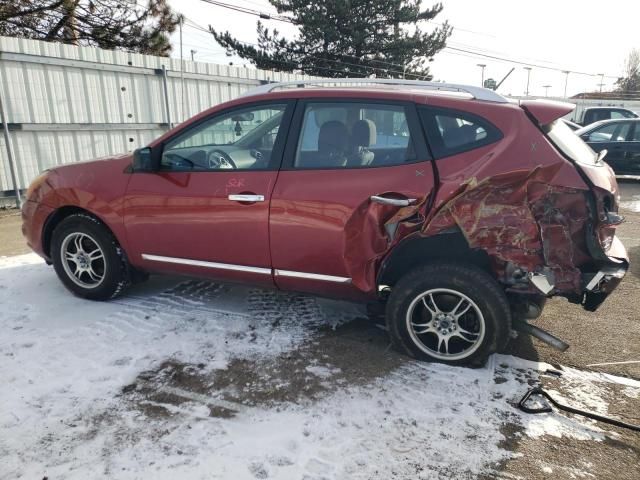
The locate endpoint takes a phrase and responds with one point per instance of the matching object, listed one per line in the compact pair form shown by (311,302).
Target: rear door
(632,160)
(612,137)
(349,166)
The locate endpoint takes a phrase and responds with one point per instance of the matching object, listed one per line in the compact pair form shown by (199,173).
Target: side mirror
(142,161)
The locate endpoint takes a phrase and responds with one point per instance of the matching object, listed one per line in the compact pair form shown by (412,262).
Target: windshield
(570,144)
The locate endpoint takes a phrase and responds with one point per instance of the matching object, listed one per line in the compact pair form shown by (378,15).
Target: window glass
(636,132)
(451,132)
(354,135)
(242,139)
(613,132)
(569,143)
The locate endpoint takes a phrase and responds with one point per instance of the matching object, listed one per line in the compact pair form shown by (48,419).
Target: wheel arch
(58,216)
(417,250)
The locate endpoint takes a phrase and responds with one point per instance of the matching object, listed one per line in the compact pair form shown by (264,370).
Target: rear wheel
(88,259)
(451,313)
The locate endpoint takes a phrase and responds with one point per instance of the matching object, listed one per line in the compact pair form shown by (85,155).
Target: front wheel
(88,259)
(447,312)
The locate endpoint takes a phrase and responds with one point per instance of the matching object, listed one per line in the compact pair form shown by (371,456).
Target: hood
(124,158)
(106,174)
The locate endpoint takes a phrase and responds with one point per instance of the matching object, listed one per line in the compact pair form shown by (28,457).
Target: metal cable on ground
(539,391)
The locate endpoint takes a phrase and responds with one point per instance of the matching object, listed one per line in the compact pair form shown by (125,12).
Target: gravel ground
(356,353)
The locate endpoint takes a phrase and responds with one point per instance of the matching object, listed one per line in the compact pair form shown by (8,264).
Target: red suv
(461,210)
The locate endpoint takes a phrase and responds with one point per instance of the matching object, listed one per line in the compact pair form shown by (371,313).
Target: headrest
(468,133)
(333,137)
(363,133)
(455,137)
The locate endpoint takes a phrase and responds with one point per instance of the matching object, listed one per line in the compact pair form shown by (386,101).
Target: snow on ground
(633,204)
(187,379)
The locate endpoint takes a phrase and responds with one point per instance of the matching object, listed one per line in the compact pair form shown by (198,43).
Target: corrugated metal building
(67,104)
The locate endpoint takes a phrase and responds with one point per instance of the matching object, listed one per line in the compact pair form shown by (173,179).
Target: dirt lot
(188,379)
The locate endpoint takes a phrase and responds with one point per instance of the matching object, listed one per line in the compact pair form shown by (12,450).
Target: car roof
(594,125)
(609,108)
(331,85)
(358,92)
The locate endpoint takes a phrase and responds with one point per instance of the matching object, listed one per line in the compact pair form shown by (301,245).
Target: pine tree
(110,24)
(630,82)
(348,38)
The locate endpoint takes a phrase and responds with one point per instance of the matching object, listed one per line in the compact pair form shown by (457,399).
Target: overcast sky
(589,36)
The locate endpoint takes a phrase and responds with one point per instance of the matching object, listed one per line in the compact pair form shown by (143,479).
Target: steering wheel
(219,160)
(178,161)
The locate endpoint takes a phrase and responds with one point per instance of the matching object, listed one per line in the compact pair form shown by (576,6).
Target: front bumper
(34,216)
(599,286)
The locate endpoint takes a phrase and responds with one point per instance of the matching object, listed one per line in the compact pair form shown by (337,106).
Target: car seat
(363,135)
(457,137)
(333,145)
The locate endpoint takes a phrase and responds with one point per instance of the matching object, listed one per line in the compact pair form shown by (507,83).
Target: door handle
(397,202)
(246,198)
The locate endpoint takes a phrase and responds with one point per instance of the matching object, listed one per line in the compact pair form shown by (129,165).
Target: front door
(612,137)
(206,210)
(349,166)
(632,151)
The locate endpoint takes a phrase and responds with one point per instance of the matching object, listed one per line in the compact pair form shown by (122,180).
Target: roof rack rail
(478,93)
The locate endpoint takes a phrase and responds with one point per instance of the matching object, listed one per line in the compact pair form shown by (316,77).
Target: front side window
(452,132)
(613,132)
(354,135)
(242,139)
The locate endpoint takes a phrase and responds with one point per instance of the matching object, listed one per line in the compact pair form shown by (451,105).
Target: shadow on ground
(355,353)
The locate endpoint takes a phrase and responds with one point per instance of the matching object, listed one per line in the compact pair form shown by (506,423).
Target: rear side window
(613,132)
(450,132)
(622,114)
(354,135)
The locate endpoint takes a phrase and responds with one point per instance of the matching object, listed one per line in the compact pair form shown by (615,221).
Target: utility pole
(566,81)
(528,69)
(181,73)
(546,90)
(10,154)
(482,67)
(193,52)
(601,81)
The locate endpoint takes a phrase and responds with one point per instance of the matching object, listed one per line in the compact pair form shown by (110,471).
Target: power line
(529,64)
(451,48)
(386,71)
(250,11)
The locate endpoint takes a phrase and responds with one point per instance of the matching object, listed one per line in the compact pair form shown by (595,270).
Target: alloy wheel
(445,324)
(83,260)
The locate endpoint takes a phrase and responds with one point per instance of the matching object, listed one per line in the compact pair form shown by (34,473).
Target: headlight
(35,185)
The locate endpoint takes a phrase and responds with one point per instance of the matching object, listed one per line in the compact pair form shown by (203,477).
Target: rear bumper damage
(605,281)
(596,286)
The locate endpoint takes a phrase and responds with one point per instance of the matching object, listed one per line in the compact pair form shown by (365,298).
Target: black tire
(111,268)
(448,282)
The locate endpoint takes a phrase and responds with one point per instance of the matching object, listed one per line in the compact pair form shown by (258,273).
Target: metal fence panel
(67,104)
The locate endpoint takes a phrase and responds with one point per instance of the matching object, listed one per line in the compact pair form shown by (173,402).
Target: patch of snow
(631,392)
(65,362)
(629,382)
(322,371)
(633,204)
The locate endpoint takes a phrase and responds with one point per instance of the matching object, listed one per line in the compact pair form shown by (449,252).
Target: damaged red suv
(459,209)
